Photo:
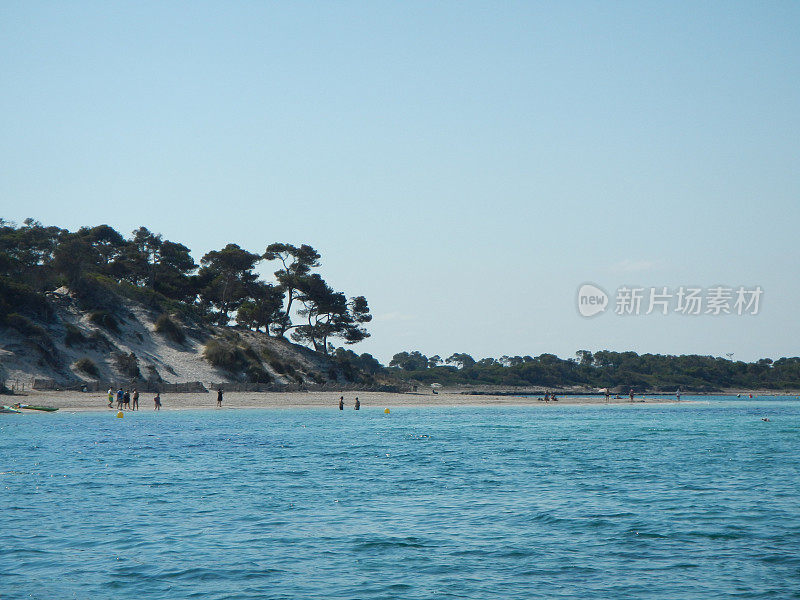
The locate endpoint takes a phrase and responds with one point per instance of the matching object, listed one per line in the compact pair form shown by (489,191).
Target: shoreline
(98,402)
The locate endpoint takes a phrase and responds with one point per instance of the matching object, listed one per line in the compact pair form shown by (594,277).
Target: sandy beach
(93,401)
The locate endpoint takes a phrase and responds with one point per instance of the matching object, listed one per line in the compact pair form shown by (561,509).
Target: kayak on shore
(36,407)
(9,409)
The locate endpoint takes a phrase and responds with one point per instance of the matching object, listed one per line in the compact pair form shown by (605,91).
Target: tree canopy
(95,261)
(603,369)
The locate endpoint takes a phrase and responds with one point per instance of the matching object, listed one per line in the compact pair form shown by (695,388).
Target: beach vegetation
(263,310)
(409,361)
(618,371)
(74,336)
(225,355)
(87,366)
(104,319)
(226,279)
(296,265)
(128,365)
(169,328)
(237,358)
(99,266)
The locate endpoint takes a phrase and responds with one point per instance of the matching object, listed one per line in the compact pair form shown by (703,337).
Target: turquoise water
(629,501)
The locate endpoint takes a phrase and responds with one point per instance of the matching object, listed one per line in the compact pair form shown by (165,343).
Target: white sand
(93,401)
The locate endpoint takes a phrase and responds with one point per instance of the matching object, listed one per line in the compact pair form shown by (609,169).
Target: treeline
(96,263)
(615,370)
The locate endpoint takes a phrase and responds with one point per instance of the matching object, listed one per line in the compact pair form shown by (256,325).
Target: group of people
(126,400)
(356,406)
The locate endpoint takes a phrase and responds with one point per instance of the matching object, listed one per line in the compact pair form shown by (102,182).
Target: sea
(696,500)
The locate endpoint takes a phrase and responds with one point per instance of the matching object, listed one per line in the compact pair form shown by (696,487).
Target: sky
(466,166)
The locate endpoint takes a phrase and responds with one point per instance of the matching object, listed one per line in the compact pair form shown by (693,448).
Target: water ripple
(679,502)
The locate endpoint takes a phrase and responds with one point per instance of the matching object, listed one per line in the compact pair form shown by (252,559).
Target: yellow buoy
(387,411)
(120,415)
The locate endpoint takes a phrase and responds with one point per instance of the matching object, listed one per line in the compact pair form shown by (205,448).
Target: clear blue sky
(465,166)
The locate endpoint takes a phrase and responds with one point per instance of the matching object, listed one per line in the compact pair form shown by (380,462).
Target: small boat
(35,407)
(9,409)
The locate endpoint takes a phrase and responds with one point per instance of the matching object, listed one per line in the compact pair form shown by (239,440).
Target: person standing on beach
(135,399)
(157,402)
(120,397)
(110,398)
(219,397)
(631,394)
(341,402)
(357,405)
(678,395)
(126,399)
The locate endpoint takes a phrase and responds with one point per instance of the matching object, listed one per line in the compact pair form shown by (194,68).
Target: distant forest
(615,370)
(98,263)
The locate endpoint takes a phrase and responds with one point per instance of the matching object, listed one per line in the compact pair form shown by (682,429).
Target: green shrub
(256,374)
(19,298)
(236,358)
(128,365)
(169,328)
(35,337)
(230,336)
(97,339)
(95,292)
(152,373)
(86,365)
(74,336)
(104,319)
(251,354)
(25,326)
(225,355)
(316,378)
